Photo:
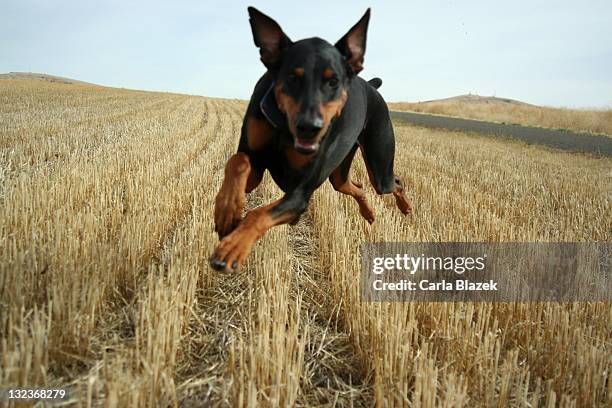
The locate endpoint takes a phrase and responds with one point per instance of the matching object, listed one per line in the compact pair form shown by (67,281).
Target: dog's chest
(288,168)
(295,161)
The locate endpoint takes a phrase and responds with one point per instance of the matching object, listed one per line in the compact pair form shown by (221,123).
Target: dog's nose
(309,128)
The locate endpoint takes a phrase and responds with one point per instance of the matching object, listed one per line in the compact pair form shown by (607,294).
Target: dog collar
(269,108)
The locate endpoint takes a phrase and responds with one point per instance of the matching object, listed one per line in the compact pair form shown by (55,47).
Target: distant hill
(41,77)
(477,99)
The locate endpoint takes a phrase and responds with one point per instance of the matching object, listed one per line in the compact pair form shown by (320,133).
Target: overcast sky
(556,53)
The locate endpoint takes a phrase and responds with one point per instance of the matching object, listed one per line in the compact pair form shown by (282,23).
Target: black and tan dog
(307,116)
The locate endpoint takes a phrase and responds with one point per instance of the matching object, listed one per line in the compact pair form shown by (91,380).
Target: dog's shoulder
(363,97)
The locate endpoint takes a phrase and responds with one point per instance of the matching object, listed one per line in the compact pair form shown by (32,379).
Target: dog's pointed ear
(353,45)
(269,37)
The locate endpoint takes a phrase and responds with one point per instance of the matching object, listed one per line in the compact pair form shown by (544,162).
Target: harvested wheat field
(105,289)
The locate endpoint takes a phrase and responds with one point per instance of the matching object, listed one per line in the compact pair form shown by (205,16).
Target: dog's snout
(309,127)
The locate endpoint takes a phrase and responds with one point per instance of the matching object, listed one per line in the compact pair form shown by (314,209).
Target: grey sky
(556,53)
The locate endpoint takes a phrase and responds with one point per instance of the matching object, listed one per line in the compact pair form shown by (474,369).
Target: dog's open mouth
(305,146)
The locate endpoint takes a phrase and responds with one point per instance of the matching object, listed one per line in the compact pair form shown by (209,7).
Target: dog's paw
(403,203)
(366,210)
(216,263)
(233,250)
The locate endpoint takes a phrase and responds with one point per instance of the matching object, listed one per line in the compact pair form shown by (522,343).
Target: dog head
(311,76)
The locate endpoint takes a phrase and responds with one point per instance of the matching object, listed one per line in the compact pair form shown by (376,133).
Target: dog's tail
(375,82)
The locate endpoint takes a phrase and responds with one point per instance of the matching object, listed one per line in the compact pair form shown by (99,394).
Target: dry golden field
(509,111)
(106,204)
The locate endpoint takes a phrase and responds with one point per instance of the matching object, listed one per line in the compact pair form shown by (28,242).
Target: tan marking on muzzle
(333,109)
(287,105)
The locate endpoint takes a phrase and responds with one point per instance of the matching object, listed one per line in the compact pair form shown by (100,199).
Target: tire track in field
(209,145)
(330,374)
(333,374)
(220,317)
(170,182)
(246,346)
(173,268)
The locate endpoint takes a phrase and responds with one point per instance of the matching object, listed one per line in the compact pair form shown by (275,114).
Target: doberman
(306,118)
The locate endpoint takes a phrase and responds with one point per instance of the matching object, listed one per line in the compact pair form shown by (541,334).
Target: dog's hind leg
(377,143)
(340,179)
(402,202)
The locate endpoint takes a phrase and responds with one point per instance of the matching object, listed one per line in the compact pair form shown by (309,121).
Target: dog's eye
(333,82)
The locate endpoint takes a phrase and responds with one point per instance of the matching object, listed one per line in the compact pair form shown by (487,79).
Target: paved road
(558,139)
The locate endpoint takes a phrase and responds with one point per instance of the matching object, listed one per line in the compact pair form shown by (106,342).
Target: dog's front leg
(240,178)
(233,250)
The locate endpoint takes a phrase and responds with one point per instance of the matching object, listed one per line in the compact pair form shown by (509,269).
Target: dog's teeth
(306,146)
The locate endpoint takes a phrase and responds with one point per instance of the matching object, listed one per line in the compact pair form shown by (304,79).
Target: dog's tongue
(306,145)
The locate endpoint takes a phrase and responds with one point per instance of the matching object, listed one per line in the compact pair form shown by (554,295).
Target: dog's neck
(269,107)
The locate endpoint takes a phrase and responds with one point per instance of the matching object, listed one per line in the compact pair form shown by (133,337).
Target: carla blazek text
(426,285)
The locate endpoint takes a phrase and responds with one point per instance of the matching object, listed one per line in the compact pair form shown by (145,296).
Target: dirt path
(558,139)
